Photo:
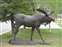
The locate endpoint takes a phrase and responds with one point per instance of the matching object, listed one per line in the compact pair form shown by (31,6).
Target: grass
(55,37)
(59,22)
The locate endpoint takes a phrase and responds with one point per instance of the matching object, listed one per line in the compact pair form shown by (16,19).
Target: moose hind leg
(13,36)
(14,33)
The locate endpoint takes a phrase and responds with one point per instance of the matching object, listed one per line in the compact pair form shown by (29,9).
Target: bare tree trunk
(49,27)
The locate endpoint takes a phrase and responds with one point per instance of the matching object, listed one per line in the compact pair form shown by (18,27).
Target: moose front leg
(33,28)
(38,30)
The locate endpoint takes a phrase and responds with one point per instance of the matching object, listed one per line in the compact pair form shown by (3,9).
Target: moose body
(30,21)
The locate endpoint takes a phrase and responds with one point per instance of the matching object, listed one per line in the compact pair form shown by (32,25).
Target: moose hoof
(31,39)
(9,41)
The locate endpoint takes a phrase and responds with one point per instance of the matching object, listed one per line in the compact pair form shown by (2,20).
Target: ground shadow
(28,42)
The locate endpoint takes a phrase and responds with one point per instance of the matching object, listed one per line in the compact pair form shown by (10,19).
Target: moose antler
(42,11)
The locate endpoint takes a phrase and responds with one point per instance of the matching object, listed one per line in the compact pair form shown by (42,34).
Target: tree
(15,6)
